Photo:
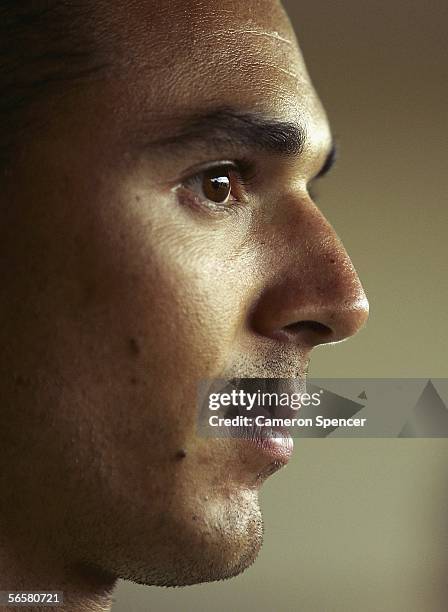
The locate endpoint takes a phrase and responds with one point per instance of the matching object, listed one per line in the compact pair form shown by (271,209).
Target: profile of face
(158,230)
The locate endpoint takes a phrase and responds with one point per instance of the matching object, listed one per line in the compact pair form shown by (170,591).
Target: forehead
(181,56)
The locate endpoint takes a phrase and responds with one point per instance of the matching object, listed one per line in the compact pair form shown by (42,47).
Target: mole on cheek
(181,454)
(134,347)
(19,380)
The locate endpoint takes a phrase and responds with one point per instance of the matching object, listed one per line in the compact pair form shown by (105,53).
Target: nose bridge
(315,281)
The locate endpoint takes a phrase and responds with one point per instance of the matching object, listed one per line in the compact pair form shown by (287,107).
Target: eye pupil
(216,185)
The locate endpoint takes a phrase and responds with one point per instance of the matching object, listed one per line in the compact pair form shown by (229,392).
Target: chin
(221,562)
(219,543)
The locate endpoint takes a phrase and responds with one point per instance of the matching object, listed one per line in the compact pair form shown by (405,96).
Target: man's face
(145,249)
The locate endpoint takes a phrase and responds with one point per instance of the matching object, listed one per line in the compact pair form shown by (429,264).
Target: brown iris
(216,185)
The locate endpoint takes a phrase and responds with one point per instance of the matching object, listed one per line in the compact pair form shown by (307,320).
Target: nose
(311,294)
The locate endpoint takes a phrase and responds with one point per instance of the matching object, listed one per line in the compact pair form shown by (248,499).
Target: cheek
(158,305)
(173,283)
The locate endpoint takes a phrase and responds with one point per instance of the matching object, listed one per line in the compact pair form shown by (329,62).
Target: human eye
(216,187)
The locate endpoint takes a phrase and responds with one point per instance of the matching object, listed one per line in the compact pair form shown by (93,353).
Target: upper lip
(266,385)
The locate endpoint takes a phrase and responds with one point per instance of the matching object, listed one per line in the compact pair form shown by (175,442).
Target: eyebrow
(229,127)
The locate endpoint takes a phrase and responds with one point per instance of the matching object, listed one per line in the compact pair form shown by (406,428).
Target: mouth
(275,445)
(260,432)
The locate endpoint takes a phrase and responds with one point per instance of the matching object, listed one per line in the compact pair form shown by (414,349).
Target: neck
(83,590)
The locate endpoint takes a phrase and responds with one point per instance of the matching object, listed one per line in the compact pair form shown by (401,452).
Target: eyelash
(241,172)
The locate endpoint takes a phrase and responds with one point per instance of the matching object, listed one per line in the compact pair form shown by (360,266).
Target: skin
(121,288)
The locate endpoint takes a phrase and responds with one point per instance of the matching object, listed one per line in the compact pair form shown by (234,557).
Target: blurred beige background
(357,525)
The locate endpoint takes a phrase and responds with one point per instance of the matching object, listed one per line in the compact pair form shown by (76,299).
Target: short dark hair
(45,44)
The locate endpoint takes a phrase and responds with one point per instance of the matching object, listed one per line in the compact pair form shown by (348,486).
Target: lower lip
(277,444)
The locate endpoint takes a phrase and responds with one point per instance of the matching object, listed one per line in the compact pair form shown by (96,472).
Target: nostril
(309,328)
